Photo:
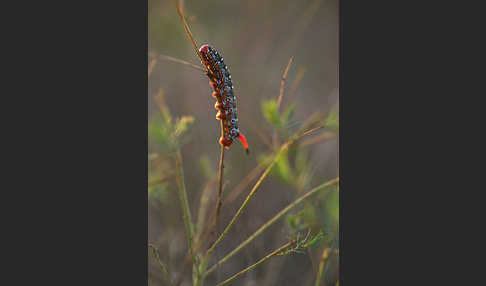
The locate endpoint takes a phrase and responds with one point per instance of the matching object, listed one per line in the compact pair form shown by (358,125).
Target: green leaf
(309,214)
(183,124)
(293,221)
(332,120)
(158,192)
(287,115)
(271,113)
(315,239)
(283,170)
(166,115)
(159,132)
(301,160)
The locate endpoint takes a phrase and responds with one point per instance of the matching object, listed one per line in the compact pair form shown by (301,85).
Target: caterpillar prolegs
(220,80)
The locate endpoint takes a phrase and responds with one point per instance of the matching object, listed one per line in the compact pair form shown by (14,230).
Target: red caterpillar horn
(243,141)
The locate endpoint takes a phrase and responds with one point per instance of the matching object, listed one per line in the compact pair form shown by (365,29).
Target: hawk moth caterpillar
(220,80)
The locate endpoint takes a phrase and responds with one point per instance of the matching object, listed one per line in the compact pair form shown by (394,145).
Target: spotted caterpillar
(220,80)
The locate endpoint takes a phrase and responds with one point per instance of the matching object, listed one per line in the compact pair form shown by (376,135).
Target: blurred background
(256,39)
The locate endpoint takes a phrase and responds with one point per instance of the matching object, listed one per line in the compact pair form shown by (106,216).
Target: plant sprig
(302,244)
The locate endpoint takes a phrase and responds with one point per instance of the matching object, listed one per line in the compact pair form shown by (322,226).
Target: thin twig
(295,83)
(275,140)
(188,31)
(271,221)
(165,273)
(314,118)
(284,77)
(172,59)
(312,130)
(220,178)
(322,137)
(273,253)
(219,201)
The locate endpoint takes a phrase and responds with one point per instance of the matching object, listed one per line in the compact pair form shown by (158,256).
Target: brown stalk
(295,83)
(188,31)
(322,137)
(282,84)
(220,179)
(175,60)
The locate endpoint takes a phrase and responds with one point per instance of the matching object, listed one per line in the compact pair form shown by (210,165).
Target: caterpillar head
(204,49)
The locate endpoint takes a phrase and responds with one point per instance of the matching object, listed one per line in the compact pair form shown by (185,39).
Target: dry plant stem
(282,84)
(279,100)
(311,120)
(220,189)
(188,64)
(220,180)
(295,83)
(165,273)
(271,221)
(188,31)
(312,130)
(273,253)
(322,137)
(325,255)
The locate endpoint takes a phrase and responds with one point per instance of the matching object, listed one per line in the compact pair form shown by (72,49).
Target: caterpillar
(220,80)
